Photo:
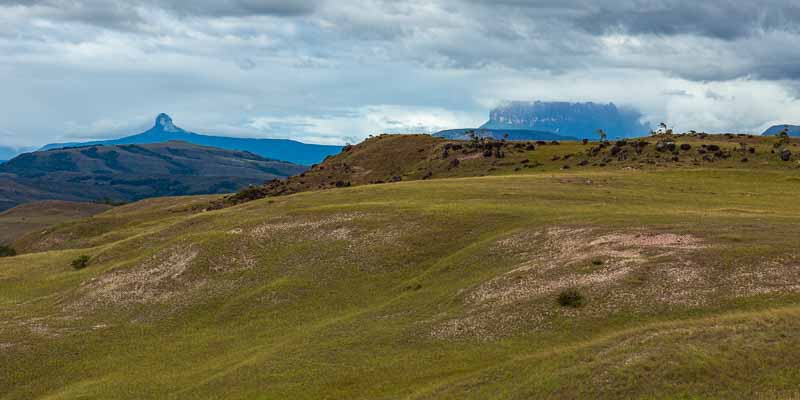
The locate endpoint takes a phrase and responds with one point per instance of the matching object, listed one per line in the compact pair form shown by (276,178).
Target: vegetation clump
(81,262)
(571,298)
(783,138)
(6,251)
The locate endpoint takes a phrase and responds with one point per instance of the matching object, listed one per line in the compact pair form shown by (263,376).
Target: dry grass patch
(160,279)
(595,263)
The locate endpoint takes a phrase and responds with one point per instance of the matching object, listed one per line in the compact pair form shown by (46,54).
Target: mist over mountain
(794,130)
(7,153)
(164,130)
(570,119)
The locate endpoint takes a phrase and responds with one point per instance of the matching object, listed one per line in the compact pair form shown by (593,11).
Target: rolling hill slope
(164,130)
(446,287)
(394,158)
(133,172)
(27,218)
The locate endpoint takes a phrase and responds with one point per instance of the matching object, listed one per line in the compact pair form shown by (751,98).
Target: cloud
(332,72)
(371,120)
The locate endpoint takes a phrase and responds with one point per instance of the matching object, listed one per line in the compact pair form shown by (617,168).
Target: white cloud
(335,71)
(355,125)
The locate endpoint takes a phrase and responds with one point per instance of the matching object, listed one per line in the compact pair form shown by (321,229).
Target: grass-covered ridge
(394,158)
(439,288)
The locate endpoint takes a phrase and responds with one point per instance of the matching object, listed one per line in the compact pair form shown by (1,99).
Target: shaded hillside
(164,130)
(394,158)
(132,172)
(440,289)
(31,217)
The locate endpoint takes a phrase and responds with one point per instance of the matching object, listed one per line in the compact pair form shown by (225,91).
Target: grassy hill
(394,158)
(445,287)
(21,220)
(133,172)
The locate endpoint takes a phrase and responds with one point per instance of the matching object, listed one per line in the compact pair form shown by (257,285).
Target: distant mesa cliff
(510,134)
(794,130)
(580,120)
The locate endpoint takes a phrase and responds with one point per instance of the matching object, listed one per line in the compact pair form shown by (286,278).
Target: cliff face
(794,130)
(570,119)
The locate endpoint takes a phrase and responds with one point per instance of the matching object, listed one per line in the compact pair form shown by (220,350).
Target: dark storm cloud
(127,14)
(723,19)
(188,7)
(240,7)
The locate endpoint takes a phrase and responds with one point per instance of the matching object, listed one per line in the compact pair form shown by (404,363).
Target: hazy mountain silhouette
(164,130)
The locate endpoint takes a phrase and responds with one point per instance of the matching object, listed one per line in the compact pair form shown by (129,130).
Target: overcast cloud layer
(329,71)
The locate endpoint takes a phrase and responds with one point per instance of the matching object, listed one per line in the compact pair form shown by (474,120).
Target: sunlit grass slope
(441,288)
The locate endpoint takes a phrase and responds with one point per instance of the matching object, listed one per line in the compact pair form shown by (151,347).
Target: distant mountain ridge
(164,130)
(794,130)
(133,172)
(510,134)
(580,120)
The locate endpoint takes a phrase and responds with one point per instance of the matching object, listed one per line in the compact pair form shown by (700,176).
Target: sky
(336,71)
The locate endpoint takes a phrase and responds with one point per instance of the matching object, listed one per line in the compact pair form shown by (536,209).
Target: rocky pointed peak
(164,123)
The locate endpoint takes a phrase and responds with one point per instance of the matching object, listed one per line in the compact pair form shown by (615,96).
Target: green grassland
(427,289)
(24,219)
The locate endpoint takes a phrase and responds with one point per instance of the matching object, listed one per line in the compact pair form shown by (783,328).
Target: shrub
(597,262)
(81,262)
(6,251)
(571,298)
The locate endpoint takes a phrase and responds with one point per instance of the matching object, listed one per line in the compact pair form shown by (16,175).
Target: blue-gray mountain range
(164,130)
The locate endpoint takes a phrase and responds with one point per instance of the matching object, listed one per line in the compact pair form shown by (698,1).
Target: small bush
(81,262)
(6,251)
(571,298)
(597,262)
